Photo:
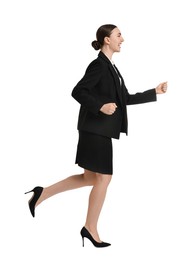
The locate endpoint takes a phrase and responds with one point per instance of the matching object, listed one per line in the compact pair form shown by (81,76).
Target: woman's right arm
(82,92)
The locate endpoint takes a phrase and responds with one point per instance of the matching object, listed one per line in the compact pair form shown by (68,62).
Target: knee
(89,177)
(104,179)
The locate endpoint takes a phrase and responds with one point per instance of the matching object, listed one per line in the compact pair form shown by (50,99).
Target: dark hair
(102,32)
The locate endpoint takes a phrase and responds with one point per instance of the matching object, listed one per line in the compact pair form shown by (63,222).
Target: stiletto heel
(32,202)
(85,233)
(83,241)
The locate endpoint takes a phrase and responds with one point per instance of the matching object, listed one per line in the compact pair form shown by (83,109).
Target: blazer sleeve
(84,92)
(141,97)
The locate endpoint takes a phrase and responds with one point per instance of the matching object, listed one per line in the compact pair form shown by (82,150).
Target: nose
(122,39)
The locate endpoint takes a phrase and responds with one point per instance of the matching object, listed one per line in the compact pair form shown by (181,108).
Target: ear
(107,40)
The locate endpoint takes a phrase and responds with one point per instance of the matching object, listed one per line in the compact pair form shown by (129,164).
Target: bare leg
(100,184)
(73,182)
(96,200)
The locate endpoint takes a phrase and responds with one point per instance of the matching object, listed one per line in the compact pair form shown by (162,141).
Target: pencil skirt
(94,153)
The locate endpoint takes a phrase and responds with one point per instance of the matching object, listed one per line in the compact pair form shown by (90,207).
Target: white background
(45,48)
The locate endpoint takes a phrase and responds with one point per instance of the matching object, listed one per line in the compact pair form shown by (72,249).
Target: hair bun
(96,45)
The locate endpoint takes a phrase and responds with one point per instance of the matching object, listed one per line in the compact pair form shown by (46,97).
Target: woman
(103,98)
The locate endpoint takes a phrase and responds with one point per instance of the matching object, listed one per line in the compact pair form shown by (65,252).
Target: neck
(107,52)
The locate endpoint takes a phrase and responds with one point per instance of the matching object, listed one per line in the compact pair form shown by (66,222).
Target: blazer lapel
(114,74)
(117,82)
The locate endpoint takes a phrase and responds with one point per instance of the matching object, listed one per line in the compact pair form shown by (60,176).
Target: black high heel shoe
(32,202)
(85,233)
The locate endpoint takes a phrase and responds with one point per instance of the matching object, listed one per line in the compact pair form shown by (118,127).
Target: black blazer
(100,85)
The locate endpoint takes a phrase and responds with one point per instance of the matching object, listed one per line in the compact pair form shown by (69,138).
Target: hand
(108,108)
(161,88)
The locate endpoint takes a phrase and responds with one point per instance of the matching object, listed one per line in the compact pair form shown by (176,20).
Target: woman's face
(115,40)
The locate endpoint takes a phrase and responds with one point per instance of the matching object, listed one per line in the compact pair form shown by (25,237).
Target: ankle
(90,228)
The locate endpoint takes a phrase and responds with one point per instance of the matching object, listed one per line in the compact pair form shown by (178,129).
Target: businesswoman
(103,98)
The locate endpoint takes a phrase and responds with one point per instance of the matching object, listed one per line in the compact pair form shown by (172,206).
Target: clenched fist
(161,88)
(108,108)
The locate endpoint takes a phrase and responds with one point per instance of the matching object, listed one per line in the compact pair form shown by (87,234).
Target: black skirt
(94,153)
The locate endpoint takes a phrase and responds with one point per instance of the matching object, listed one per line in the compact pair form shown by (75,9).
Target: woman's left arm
(146,96)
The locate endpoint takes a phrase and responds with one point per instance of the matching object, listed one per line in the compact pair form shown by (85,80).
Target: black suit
(101,85)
